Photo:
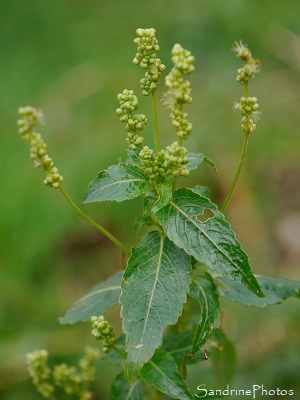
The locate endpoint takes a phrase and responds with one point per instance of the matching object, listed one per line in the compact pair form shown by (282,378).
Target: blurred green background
(71,58)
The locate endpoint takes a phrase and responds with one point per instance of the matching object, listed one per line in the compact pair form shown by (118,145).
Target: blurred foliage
(71,58)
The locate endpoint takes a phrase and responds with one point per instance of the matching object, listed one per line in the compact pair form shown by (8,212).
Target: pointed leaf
(162,372)
(119,182)
(98,300)
(224,360)
(195,159)
(164,190)
(204,291)
(178,344)
(122,390)
(142,221)
(134,156)
(276,290)
(211,242)
(202,190)
(154,289)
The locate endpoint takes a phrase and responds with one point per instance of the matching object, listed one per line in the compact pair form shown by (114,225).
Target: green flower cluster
(152,164)
(176,160)
(147,47)
(69,378)
(102,330)
(38,150)
(179,90)
(40,372)
(251,66)
(135,123)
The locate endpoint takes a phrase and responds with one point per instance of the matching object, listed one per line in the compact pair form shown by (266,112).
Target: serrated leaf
(195,159)
(117,183)
(162,372)
(98,300)
(122,390)
(211,242)
(276,291)
(154,288)
(204,291)
(224,360)
(134,156)
(164,190)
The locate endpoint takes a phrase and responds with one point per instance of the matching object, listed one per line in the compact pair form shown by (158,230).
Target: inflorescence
(102,330)
(248,106)
(30,117)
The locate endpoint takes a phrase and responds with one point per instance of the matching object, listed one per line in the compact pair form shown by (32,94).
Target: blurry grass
(71,59)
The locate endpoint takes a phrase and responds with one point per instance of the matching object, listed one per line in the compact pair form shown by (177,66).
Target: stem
(94,223)
(120,352)
(156,128)
(237,173)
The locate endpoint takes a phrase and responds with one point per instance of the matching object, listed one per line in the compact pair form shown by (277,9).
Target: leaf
(98,300)
(195,159)
(122,390)
(113,357)
(162,372)
(154,288)
(276,290)
(211,242)
(224,360)
(119,182)
(202,190)
(164,190)
(142,221)
(134,156)
(178,344)
(204,291)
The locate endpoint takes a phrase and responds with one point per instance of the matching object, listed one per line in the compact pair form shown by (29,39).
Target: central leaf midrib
(110,288)
(205,234)
(152,292)
(119,183)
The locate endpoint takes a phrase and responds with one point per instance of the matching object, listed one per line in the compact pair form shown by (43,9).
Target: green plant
(190,253)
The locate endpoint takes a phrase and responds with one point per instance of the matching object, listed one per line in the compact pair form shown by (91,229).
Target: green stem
(155,117)
(237,173)
(120,352)
(94,223)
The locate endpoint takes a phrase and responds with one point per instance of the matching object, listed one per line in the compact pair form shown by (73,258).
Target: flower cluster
(38,150)
(147,47)
(176,160)
(40,372)
(102,330)
(152,163)
(251,66)
(179,90)
(135,123)
(248,107)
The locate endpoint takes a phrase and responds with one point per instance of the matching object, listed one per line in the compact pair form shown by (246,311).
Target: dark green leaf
(178,344)
(210,241)
(119,182)
(276,290)
(142,221)
(204,291)
(154,289)
(164,190)
(122,390)
(98,300)
(224,361)
(202,190)
(134,156)
(162,372)
(195,159)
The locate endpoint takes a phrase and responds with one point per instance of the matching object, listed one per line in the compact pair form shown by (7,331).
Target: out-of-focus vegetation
(71,58)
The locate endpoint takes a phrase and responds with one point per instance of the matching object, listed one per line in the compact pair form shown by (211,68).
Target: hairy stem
(155,117)
(237,173)
(94,223)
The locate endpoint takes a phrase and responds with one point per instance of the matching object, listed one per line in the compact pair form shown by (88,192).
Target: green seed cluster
(176,160)
(102,330)
(251,66)
(179,90)
(38,148)
(40,372)
(147,47)
(135,123)
(67,378)
(152,164)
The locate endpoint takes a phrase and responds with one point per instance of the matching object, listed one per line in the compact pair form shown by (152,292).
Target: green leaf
(195,159)
(164,190)
(276,290)
(178,344)
(122,390)
(162,372)
(204,291)
(210,241)
(114,357)
(134,156)
(119,182)
(202,190)
(224,360)
(154,288)
(98,300)
(142,221)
